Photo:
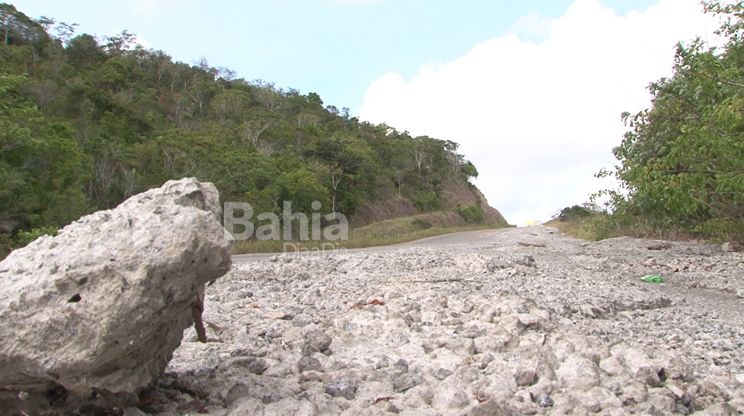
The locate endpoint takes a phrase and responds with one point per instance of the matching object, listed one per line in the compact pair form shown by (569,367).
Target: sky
(532,91)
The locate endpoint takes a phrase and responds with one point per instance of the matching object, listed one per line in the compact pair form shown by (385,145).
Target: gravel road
(446,240)
(505,322)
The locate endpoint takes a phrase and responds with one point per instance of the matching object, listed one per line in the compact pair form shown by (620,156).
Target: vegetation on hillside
(87,122)
(681,165)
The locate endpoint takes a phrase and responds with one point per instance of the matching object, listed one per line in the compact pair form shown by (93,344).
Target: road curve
(465,237)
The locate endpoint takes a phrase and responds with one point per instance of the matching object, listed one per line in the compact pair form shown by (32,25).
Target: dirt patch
(385,210)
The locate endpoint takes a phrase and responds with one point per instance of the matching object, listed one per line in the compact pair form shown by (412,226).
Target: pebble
(544,400)
(308,363)
(401,365)
(316,341)
(346,389)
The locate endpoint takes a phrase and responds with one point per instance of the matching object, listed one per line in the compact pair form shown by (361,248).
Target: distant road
(465,237)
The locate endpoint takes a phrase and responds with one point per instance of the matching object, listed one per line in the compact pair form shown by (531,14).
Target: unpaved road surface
(466,237)
(516,321)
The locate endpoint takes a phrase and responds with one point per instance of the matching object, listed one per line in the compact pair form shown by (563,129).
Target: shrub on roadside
(426,201)
(471,213)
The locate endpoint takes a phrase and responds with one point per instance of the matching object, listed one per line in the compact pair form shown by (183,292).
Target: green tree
(302,188)
(681,166)
(41,167)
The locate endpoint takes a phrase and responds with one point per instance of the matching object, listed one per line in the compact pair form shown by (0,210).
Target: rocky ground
(533,322)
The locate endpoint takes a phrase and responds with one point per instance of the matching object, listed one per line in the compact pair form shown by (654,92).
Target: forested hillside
(87,122)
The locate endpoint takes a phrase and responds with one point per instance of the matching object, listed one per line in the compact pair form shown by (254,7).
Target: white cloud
(533,24)
(538,120)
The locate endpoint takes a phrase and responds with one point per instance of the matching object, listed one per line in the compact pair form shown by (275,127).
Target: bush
(471,213)
(575,213)
(426,201)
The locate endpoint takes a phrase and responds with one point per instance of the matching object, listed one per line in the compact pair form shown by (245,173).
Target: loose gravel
(532,322)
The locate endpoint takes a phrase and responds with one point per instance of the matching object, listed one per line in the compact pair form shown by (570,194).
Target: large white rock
(100,308)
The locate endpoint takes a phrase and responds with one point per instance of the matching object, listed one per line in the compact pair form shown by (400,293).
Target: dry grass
(592,229)
(578,229)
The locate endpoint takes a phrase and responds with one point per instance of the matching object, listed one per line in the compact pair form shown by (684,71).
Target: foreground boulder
(93,315)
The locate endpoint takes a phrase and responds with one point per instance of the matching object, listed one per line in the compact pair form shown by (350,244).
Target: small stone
(676,390)
(523,309)
(236,392)
(442,373)
(488,408)
(406,381)
(271,398)
(681,409)
(309,363)
(727,247)
(399,338)
(382,363)
(316,341)
(311,376)
(467,307)
(474,332)
(247,352)
(401,365)
(342,388)
(526,378)
(485,360)
(258,367)
(579,373)
(350,326)
(544,400)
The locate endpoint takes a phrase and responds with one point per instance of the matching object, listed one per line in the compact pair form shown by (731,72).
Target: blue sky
(532,90)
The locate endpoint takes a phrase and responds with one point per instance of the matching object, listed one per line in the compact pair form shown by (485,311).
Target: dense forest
(681,165)
(87,122)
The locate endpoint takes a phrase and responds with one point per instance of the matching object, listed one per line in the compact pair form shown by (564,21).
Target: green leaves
(682,162)
(41,166)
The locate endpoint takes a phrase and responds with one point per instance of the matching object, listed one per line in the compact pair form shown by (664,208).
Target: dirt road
(514,321)
(467,237)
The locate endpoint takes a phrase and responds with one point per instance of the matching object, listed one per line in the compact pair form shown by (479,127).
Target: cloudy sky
(532,90)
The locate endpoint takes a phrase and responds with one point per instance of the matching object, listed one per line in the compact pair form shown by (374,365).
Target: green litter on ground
(652,278)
